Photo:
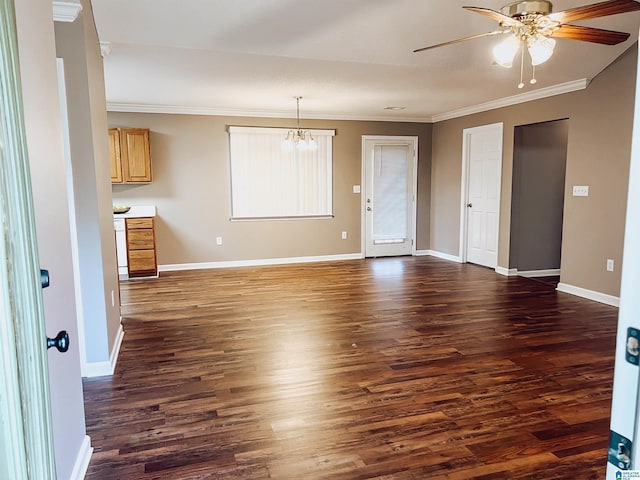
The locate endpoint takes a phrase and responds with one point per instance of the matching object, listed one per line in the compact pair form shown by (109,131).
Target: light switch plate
(580,190)
(356,189)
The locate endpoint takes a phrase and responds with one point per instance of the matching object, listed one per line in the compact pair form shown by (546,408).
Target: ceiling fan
(532,25)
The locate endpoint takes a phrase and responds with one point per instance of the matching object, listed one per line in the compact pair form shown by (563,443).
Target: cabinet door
(114,155)
(135,151)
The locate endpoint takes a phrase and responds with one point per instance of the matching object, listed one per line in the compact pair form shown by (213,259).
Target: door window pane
(390,194)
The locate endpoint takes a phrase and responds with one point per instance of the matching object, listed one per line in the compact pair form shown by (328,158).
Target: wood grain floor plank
(391,369)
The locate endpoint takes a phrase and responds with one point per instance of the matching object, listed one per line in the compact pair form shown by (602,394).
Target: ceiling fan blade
(497,16)
(602,9)
(589,34)
(460,40)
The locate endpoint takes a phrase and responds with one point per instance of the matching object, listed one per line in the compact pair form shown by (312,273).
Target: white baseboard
(512,272)
(100,369)
(422,253)
(589,294)
(81,464)
(259,262)
(507,272)
(551,272)
(444,256)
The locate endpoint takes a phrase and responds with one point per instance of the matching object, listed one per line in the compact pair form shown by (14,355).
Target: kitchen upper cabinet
(130,154)
(114,154)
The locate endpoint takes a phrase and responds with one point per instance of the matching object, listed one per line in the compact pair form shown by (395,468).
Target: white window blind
(391,191)
(269,182)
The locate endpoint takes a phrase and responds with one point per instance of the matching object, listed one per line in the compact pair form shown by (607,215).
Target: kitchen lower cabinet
(141,247)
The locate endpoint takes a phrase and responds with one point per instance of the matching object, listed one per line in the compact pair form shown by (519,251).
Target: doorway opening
(537,202)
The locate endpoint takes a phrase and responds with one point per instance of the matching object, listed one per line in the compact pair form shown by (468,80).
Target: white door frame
(464,190)
(363,182)
(26,434)
(62,92)
(625,408)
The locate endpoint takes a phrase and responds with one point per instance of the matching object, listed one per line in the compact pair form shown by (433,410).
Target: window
(269,182)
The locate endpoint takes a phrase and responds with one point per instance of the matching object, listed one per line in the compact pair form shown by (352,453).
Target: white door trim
(62,92)
(464,184)
(414,187)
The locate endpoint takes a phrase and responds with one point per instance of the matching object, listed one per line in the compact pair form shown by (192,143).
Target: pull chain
(521,84)
(533,80)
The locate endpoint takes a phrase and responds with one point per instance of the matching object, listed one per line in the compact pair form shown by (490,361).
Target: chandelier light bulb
(505,51)
(540,48)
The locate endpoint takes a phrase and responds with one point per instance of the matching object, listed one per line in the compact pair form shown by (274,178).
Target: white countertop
(138,212)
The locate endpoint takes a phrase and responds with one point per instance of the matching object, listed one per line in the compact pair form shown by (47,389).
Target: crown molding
(515,99)
(230,112)
(66,11)
(105,48)
(559,89)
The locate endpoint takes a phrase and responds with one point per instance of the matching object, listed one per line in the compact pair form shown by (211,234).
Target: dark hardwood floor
(396,368)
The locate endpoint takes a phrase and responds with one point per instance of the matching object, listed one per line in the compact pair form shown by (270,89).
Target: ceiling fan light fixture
(540,48)
(505,51)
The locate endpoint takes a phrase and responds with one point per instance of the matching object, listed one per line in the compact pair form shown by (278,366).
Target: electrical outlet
(218,240)
(344,235)
(609,265)
(580,190)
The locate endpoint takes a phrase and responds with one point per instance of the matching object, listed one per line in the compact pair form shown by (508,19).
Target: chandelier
(298,138)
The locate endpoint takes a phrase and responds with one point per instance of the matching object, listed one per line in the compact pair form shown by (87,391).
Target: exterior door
(26,437)
(389,195)
(482,162)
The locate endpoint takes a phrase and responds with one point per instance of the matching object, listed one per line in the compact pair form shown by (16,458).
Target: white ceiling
(346,58)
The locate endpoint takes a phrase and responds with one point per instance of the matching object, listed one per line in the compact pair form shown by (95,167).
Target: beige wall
(191,186)
(191,190)
(599,145)
(77,44)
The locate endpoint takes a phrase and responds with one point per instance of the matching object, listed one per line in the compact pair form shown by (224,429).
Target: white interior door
(482,166)
(26,436)
(624,437)
(389,195)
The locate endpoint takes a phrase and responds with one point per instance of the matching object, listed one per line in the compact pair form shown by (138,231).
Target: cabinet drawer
(139,223)
(141,239)
(142,262)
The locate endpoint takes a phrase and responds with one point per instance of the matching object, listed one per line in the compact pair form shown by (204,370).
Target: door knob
(44,278)
(469,205)
(61,342)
